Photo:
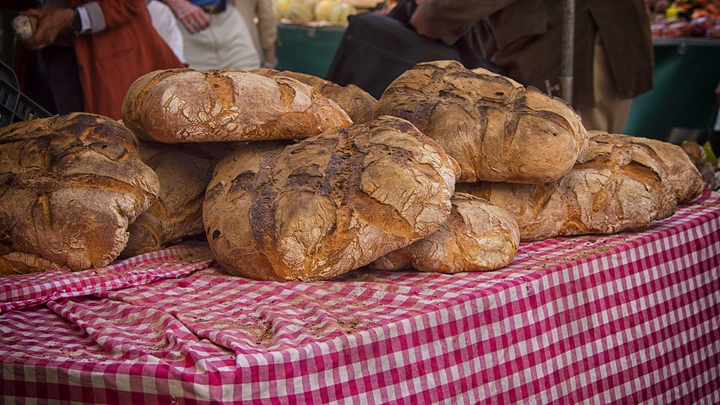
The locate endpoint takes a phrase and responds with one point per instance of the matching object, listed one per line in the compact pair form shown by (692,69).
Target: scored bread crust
(184,105)
(496,129)
(357,103)
(619,183)
(478,236)
(71,185)
(328,204)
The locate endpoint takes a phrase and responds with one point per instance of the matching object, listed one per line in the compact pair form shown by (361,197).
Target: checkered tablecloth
(627,318)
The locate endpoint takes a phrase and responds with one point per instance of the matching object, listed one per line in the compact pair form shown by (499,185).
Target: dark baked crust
(70,185)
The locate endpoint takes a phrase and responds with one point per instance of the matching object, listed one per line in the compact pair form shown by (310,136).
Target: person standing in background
(166,25)
(218,34)
(613,47)
(84,55)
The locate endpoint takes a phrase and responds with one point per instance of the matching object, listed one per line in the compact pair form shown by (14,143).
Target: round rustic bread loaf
(328,204)
(496,129)
(70,187)
(184,105)
(184,170)
(678,170)
(357,103)
(619,183)
(478,236)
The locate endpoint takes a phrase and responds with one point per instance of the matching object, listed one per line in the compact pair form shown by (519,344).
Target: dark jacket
(524,37)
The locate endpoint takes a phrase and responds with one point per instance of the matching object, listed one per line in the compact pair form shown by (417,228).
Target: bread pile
(293,178)
(530,155)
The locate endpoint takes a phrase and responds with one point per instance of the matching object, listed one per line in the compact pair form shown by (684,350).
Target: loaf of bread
(496,129)
(328,204)
(184,170)
(478,236)
(184,105)
(619,183)
(70,185)
(679,172)
(356,102)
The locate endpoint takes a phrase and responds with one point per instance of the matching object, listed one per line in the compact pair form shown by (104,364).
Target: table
(685,76)
(626,318)
(307,50)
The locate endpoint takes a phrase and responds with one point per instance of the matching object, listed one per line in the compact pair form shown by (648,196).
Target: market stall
(626,318)
(683,95)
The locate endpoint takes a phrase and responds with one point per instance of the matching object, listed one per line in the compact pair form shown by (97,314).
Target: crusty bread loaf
(70,187)
(478,236)
(184,170)
(619,183)
(678,169)
(328,204)
(184,105)
(357,103)
(495,128)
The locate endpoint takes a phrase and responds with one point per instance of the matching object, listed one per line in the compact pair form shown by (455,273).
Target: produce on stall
(70,186)
(685,18)
(319,13)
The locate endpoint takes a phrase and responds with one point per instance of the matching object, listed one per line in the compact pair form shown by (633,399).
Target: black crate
(15,106)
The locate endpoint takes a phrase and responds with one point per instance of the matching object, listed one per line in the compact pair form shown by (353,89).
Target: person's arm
(192,17)
(50,24)
(268,31)
(88,18)
(449,20)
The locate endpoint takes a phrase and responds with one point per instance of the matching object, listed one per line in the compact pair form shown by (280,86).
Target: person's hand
(193,18)
(421,24)
(269,58)
(51,23)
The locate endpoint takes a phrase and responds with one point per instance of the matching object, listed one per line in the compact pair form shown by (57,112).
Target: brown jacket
(109,61)
(525,38)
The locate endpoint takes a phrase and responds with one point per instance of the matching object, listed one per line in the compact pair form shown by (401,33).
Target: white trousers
(225,44)
(610,112)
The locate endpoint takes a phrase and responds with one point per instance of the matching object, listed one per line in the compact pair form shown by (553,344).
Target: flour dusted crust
(184,170)
(495,128)
(184,105)
(356,102)
(328,204)
(619,183)
(478,236)
(70,185)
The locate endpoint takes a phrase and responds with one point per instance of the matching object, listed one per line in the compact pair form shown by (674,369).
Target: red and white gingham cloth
(627,318)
